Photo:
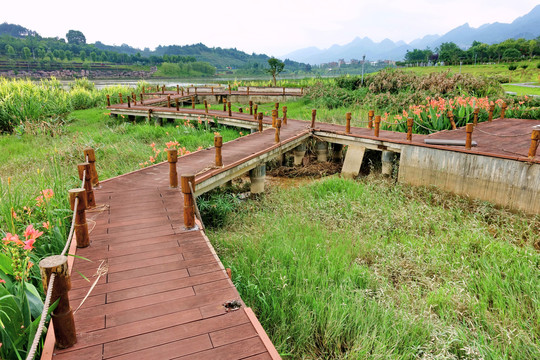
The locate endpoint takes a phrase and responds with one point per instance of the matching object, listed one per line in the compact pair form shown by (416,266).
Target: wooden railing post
(302,91)
(255,109)
(212,90)
(206,106)
(274,118)
(260,118)
(193,102)
(177,103)
(250,106)
(195,90)
(157,88)
(377,125)
(189,204)
(218,143)
(284,90)
(468,141)
(247,91)
(276,105)
(168,101)
(490,113)
(80,226)
(108,100)
(182,91)
(371,113)
(229,89)
(134,98)
(313,117)
(229,107)
(128,101)
(224,104)
(348,124)
(120,98)
(187,90)
(142,98)
(535,137)
(172,158)
(503,110)
(62,316)
(163,89)
(410,122)
(177,89)
(278,129)
(451,118)
(284,115)
(475,116)
(91,201)
(91,156)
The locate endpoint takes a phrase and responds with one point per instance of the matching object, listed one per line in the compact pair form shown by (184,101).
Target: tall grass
(345,270)
(24,102)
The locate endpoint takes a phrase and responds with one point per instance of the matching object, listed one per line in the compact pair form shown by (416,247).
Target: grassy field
(522,90)
(531,73)
(339,269)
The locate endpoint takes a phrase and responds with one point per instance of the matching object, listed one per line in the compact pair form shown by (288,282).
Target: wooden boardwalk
(164,291)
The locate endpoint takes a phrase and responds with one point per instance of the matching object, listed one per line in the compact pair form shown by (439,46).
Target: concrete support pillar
(353,161)
(337,152)
(299,152)
(387,163)
(321,148)
(257,176)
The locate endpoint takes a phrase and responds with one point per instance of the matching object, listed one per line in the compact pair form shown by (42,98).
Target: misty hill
(527,26)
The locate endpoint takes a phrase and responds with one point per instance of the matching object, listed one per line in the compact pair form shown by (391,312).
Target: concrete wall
(508,183)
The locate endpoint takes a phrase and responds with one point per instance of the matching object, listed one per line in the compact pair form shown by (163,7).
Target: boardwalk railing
(54,269)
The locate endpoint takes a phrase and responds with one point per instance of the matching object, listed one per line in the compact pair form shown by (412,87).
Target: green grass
(120,146)
(532,73)
(522,90)
(349,270)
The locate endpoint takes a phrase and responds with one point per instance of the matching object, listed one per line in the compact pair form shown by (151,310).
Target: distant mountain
(527,26)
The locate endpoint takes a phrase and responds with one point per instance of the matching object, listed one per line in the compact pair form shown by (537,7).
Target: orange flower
(12,238)
(47,225)
(31,233)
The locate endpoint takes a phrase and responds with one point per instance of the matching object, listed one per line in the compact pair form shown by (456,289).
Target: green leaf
(6,264)
(34,300)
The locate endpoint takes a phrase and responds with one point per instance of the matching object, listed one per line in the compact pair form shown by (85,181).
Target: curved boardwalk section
(164,291)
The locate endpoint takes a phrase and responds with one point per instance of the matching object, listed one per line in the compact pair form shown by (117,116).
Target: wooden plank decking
(165,288)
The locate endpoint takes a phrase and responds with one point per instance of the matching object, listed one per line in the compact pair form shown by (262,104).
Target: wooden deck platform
(164,293)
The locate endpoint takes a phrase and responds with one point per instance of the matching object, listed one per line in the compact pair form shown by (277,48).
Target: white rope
(70,236)
(41,325)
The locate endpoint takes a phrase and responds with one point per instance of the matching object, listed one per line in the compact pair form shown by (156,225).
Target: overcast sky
(273,27)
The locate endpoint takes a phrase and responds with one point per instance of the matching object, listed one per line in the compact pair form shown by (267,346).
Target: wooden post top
(89,152)
(172,155)
(371,113)
(185,180)
(78,193)
(81,167)
(218,141)
(56,264)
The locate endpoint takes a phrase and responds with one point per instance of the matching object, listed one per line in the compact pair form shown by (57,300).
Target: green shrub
(512,67)
(215,206)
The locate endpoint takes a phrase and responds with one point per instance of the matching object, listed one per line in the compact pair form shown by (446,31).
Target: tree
(82,55)
(276,66)
(10,51)
(26,53)
(75,37)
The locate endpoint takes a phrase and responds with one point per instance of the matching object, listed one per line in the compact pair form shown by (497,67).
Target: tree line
(479,52)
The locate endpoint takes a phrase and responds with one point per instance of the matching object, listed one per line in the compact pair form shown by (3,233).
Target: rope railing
(55,268)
